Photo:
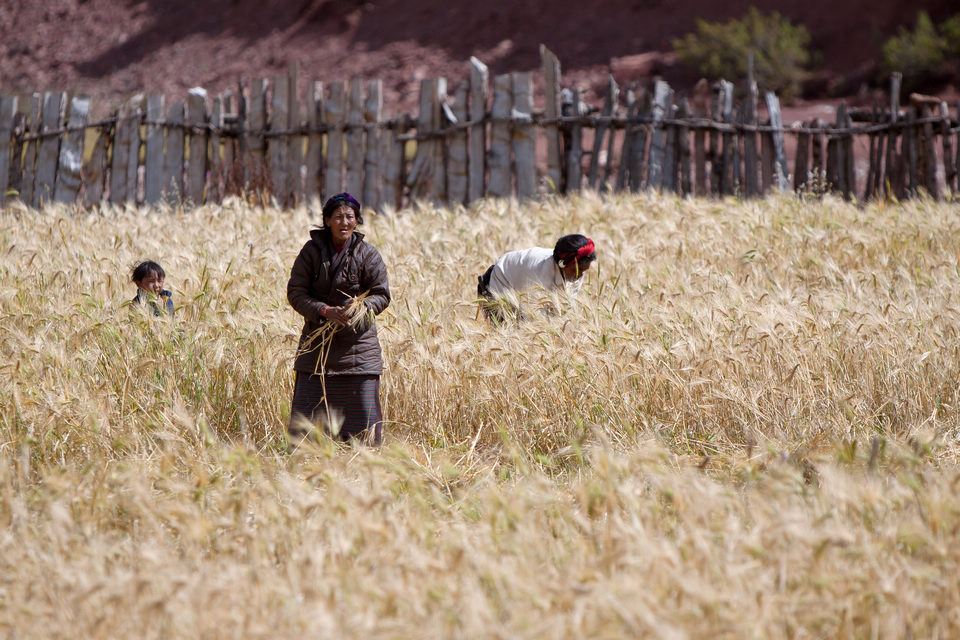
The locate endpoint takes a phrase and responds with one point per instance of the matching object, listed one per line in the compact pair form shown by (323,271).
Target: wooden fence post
(354,137)
(314,160)
(524,152)
(750,141)
(393,151)
(95,171)
(551,93)
(638,149)
(662,99)
(278,145)
(71,152)
(872,159)
(49,150)
(438,122)
(727,185)
(781,172)
(850,169)
(197,169)
(890,167)
(839,150)
(928,136)
(949,165)
(683,149)
(479,87)
(609,107)
(215,188)
(29,176)
(173,156)
(717,167)
(701,109)
(372,160)
(573,107)
(295,150)
(629,133)
(335,112)
(8,107)
(254,141)
(457,179)
(800,165)
(501,180)
(669,175)
(153,178)
(910,140)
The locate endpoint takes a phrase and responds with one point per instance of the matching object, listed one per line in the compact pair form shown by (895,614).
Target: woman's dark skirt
(355,399)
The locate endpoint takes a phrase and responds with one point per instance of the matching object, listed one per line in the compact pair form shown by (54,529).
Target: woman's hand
(337,315)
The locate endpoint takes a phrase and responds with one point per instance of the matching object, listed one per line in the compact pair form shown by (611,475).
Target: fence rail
(486,138)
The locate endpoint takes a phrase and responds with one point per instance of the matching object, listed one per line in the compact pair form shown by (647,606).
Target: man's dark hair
(144,269)
(571,247)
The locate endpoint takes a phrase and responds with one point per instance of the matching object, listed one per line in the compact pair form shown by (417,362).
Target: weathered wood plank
(725,97)
(629,133)
(354,170)
(49,151)
(278,145)
(232,168)
(394,152)
(701,109)
(479,88)
(498,160)
(833,164)
(767,161)
(8,107)
(153,178)
(801,167)
(437,145)
(750,187)
(197,167)
(930,155)
(70,163)
(840,150)
(669,176)
(95,171)
(35,120)
(848,158)
(524,152)
(173,155)
(606,183)
(457,178)
(868,189)
(949,163)
(551,90)
(314,159)
(573,107)
(609,106)
(372,160)
(781,172)
(254,160)
(133,151)
(638,150)
(716,153)
(683,149)
(215,185)
(911,152)
(295,150)
(336,116)
(662,95)
(890,171)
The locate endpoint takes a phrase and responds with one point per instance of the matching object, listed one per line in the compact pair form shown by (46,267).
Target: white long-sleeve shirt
(517,271)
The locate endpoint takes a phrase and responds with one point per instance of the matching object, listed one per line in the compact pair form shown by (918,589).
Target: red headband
(585,250)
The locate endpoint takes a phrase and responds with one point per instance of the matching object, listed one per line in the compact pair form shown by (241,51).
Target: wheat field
(745,426)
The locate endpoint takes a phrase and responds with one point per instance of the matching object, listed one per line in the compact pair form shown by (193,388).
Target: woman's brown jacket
(314,284)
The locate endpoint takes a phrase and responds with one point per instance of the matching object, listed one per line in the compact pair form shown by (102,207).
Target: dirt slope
(112,48)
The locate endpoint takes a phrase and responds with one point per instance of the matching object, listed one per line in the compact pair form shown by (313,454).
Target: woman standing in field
(338,283)
(559,269)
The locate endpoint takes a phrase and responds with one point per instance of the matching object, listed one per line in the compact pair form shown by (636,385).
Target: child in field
(149,277)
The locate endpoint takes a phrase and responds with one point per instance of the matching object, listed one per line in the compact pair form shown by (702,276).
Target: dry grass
(746,426)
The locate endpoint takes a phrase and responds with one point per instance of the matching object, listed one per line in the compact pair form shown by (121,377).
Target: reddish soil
(114,48)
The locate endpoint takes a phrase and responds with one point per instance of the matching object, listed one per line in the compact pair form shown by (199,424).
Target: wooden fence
(480,141)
